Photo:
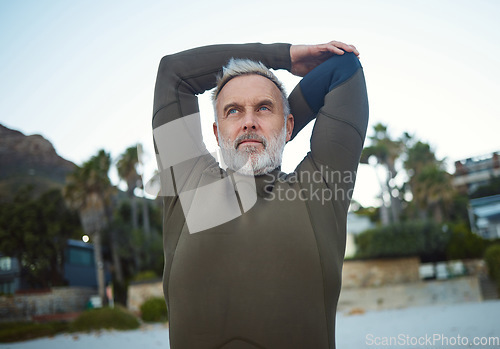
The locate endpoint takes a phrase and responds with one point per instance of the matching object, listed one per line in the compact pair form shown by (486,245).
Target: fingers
(354,50)
(338,48)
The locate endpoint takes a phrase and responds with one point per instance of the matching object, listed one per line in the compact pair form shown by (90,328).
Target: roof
(487,207)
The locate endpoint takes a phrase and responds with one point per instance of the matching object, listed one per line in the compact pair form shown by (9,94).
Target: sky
(82,73)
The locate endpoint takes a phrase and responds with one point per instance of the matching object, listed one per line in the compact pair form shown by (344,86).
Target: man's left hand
(307,57)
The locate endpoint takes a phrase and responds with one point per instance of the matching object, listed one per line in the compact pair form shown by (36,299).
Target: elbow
(345,65)
(167,66)
(350,59)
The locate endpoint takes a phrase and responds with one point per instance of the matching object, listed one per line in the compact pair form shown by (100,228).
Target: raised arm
(305,58)
(181,152)
(183,75)
(334,93)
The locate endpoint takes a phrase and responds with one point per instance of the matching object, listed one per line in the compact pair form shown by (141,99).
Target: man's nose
(250,121)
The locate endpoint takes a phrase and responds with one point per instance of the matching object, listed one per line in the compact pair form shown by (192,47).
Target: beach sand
(447,326)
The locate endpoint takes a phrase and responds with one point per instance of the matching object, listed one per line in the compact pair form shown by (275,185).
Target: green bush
(492,259)
(21,331)
(94,319)
(146,275)
(464,244)
(154,310)
(105,318)
(412,238)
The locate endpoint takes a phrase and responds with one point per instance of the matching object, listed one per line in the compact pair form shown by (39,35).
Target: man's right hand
(307,57)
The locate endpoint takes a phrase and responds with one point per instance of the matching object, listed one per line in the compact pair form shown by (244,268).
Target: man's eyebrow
(230,105)
(264,101)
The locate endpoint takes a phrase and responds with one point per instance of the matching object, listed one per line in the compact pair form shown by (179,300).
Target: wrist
(294,49)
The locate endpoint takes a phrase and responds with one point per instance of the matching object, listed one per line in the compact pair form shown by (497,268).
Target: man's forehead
(248,87)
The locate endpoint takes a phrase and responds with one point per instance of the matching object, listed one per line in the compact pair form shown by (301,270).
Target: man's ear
(289,126)
(216,133)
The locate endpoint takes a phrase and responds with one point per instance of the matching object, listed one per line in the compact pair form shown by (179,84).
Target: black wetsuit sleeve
(334,93)
(342,119)
(183,75)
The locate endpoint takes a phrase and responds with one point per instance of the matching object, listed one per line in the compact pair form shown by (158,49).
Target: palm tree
(127,170)
(88,190)
(146,225)
(430,184)
(419,155)
(386,151)
(436,191)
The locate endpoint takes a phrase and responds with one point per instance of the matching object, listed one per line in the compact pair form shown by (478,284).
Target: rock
(28,160)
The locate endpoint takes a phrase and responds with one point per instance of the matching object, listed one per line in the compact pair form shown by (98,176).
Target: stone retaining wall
(54,301)
(139,292)
(380,272)
(438,292)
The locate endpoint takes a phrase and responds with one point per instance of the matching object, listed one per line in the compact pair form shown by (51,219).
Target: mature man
(253,257)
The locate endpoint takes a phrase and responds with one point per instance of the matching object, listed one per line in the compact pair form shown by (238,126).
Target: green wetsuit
(268,275)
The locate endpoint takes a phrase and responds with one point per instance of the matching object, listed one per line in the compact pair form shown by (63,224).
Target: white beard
(250,160)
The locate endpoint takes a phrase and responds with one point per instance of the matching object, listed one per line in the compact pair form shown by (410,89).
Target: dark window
(5,263)
(80,256)
(7,287)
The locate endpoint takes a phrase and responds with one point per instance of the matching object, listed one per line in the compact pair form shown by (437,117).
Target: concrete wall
(380,272)
(138,293)
(55,301)
(464,289)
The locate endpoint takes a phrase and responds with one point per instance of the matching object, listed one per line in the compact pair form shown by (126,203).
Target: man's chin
(250,148)
(248,170)
(251,160)
(254,167)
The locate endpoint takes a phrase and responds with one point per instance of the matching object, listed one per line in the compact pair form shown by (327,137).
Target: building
(474,172)
(79,265)
(484,215)
(10,275)
(79,269)
(484,212)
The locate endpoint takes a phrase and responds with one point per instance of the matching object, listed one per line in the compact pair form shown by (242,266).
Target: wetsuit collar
(264,184)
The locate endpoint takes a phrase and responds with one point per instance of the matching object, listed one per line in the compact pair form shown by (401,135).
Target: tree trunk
(117,266)
(135,226)
(99,263)
(146,226)
(395,201)
(438,213)
(93,221)
(384,212)
(133,208)
(115,255)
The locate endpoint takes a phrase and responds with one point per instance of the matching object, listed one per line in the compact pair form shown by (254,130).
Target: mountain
(28,160)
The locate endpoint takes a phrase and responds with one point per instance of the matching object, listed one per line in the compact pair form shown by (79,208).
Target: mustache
(250,136)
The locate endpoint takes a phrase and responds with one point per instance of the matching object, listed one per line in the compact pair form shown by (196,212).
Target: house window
(7,287)
(80,256)
(5,263)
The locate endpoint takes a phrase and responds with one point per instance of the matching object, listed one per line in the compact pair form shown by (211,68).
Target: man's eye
(264,108)
(232,111)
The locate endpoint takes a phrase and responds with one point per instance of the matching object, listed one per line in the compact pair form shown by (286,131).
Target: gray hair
(238,67)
